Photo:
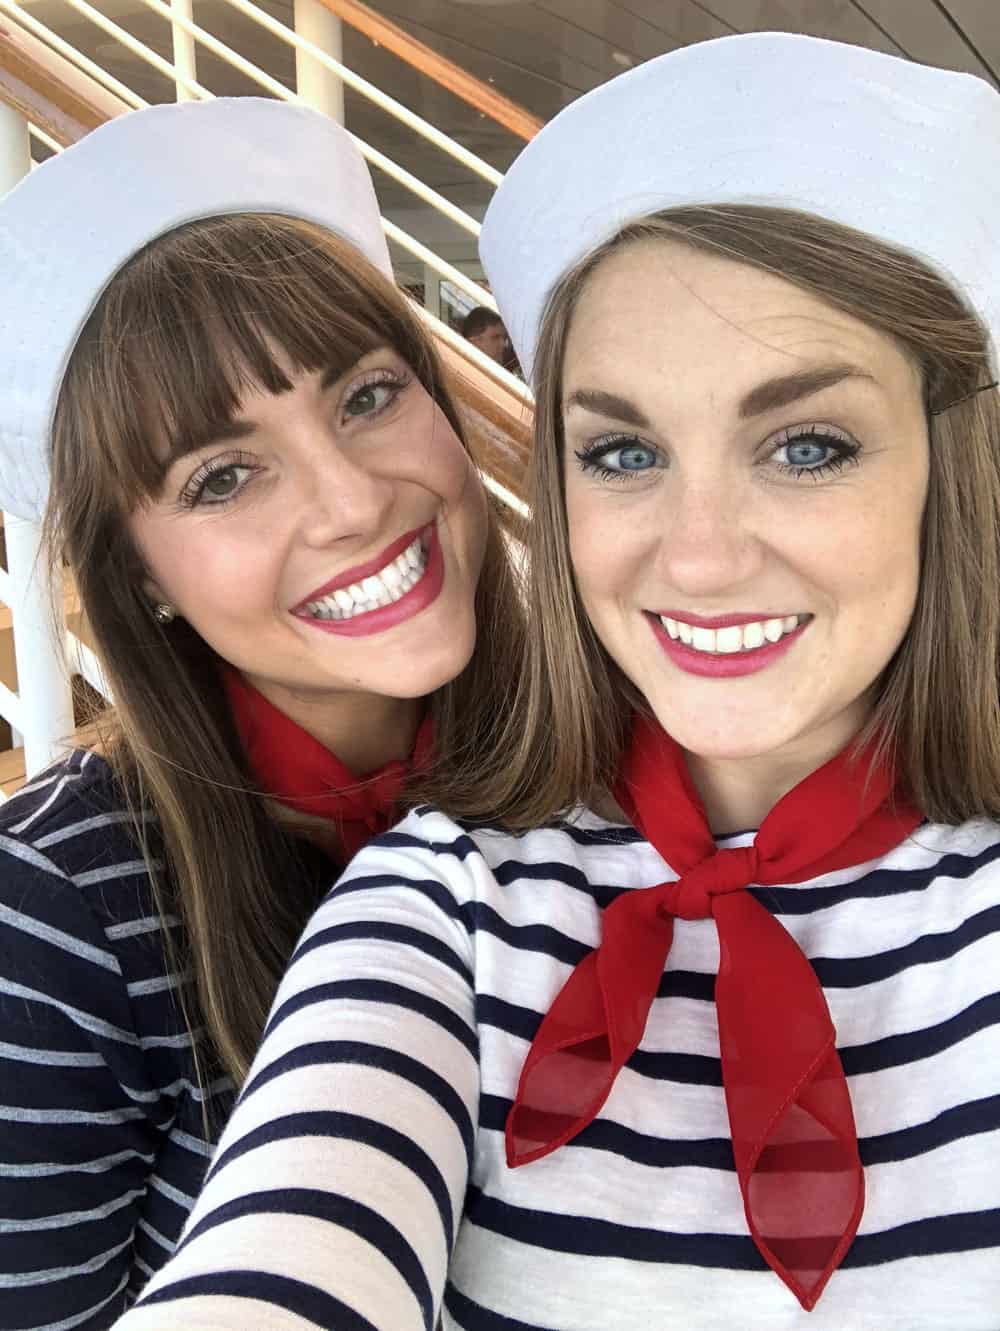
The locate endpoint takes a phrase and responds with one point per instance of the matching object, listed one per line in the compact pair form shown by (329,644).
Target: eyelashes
(197,491)
(366,398)
(816,451)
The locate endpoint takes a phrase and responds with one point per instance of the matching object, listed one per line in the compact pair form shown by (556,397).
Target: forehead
(657,305)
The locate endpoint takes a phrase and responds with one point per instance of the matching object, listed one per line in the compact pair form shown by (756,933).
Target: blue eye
(814,452)
(618,458)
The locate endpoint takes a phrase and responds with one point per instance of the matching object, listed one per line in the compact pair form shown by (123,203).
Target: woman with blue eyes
(241,442)
(706,1032)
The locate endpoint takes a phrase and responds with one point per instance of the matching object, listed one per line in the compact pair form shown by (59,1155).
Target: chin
(729,738)
(424,672)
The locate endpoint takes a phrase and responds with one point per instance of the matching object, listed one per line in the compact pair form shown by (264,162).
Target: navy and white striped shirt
(361,1182)
(102,1138)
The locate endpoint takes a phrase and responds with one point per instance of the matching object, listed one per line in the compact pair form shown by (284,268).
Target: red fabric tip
(794,1139)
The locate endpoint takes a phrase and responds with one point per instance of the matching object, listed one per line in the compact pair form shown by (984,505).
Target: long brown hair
(178,335)
(938,706)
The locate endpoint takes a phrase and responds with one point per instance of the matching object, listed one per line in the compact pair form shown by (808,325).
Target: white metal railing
(47,652)
(185,81)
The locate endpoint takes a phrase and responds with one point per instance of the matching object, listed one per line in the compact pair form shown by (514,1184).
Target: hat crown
(70,225)
(902,151)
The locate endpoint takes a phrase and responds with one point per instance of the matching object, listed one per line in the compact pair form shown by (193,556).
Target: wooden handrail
(482,96)
(45,88)
(49,91)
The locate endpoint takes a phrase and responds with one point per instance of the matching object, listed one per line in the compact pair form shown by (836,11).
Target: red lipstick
(360,571)
(723,665)
(418,598)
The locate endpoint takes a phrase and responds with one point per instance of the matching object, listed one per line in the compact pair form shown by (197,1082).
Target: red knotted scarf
(794,1139)
(296,769)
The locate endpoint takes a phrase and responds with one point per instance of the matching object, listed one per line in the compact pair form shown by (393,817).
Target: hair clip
(975,393)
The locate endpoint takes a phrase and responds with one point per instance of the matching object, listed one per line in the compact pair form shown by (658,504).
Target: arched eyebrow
(788,388)
(780,391)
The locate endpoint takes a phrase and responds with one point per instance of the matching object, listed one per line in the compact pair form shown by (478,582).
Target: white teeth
(378,589)
(753,636)
(734,638)
(729,639)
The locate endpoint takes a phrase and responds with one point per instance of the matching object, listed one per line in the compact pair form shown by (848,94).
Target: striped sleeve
(337,1190)
(75,1146)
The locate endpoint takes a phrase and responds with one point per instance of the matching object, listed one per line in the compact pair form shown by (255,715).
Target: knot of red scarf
(690,897)
(294,768)
(794,1139)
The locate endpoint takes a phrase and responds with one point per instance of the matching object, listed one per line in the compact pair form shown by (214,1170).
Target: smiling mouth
(381,588)
(734,638)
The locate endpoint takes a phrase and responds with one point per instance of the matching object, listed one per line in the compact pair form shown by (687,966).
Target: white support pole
(320,87)
(43,688)
(44,710)
(432,291)
(15,148)
(185,61)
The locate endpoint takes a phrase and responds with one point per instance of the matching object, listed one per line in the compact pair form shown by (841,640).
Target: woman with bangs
(710,1033)
(243,447)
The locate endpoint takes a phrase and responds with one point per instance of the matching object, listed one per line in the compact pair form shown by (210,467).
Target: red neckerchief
(294,768)
(794,1139)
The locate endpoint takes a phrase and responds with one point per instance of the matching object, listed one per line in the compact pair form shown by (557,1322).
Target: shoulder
(471,860)
(942,850)
(79,928)
(72,826)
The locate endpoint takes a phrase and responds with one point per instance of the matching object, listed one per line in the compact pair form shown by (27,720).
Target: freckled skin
(325,488)
(716,527)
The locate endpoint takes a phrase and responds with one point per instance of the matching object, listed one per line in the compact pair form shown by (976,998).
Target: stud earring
(164,613)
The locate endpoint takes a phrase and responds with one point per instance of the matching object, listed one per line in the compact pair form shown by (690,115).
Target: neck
(738,793)
(364,730)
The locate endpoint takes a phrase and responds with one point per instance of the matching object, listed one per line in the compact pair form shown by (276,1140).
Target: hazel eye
(374,394)
(218,482)
(369,399)
(222,484)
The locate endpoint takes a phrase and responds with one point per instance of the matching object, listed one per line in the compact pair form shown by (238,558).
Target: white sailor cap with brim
(69,226)
(907,153)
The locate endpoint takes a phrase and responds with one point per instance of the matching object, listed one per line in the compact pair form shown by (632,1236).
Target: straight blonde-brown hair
(180,333)
(937,700)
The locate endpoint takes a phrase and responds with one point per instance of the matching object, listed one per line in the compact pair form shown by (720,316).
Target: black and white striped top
(361,1182)
(102,1139)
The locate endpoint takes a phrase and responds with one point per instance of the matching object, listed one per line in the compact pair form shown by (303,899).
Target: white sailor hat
(69,226)
(904,152)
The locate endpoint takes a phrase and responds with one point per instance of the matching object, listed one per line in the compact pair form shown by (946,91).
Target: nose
(708,543)
(341,498)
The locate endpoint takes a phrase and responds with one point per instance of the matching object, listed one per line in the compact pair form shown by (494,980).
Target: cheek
(207,568)
(598,549)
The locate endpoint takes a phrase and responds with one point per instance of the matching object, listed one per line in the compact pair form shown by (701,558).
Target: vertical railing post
(185,60)
(319,87)
(42,681)
(432,291)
